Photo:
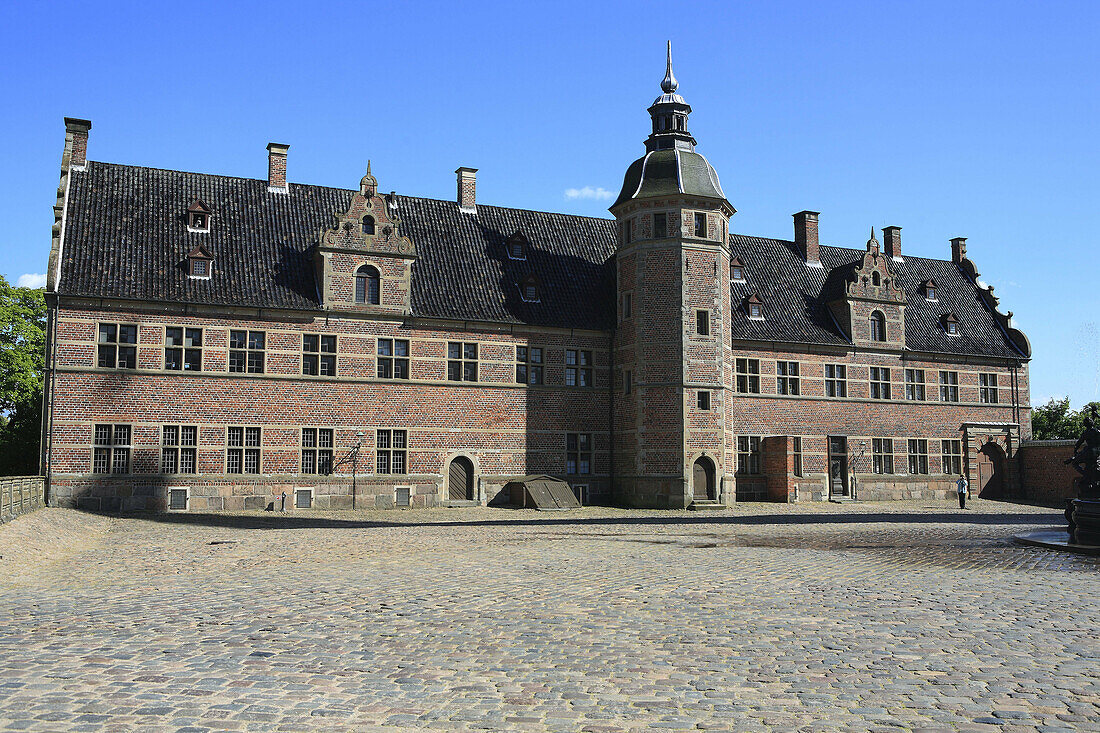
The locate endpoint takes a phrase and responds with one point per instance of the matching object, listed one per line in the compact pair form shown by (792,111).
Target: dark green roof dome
(667,173)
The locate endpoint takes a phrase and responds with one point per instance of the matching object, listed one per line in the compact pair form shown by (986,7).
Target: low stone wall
(1044,474)
(19,495)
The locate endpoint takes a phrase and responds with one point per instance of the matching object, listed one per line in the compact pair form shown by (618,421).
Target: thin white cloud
(588,192)
(31,280)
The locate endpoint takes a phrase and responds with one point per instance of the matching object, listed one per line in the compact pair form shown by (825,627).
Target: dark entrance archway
(991,471)
(702,480)
(460,480)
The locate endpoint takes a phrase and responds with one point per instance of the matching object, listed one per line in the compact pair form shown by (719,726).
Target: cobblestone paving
(895,616)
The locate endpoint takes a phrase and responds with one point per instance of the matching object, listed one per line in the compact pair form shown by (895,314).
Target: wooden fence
(19,495)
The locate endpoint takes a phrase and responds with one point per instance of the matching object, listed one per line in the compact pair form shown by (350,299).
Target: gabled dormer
(516,246)
(364,262)
(200,263)
(198,217)
(866,302)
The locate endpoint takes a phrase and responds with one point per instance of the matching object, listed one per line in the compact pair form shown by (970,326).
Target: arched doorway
(460,480)
(702,480)
(991,471)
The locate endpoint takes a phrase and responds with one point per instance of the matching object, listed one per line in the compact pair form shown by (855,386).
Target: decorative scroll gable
(874,279)
(368,226)
(867,303)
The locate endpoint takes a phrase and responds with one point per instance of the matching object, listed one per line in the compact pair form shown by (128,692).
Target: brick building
(217,342)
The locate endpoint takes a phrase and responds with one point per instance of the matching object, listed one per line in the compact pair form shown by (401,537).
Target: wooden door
(838,466)
(991,472)
(702,480)
(460,480)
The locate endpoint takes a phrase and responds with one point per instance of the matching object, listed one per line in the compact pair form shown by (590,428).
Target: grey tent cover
(542,492)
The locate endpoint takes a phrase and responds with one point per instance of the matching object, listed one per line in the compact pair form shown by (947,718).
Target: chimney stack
(467,190)
(958,249)
(805,236)
(276,168)
(76,143)
(891,242)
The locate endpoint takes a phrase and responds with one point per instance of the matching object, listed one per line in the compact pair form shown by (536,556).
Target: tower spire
(669,83)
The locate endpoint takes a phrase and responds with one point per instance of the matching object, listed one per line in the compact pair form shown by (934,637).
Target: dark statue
(1086,458)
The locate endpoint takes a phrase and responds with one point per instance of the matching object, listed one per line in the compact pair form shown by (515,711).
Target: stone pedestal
(1084,521)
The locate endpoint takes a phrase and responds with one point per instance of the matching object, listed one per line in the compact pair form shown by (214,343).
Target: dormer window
(529,290)
(368,286)
(517,247)
(877,326)
(198,217)
(754,307)
(930,289)
(200,264)
(737,270)
(368,225)
(950,324)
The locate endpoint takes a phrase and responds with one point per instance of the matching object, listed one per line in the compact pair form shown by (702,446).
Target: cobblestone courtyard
(767,617)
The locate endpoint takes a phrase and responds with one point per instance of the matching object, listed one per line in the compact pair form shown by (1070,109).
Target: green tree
(1056,421)
(22,357)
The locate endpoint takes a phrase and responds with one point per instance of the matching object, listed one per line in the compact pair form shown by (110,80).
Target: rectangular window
(628,380)
(183,349)
(393,359)
(246,351)
(836,380)
(701,226)
(578,454)
(461,362)
(117,346)
(660,225)
(748,376)
(529,365)
(949,386)
(628,232)
(703,399)
(319,355)
(177,498)
(628,305)
(880,383)
(303,498)
(702,323)
(914,384)
(987,388)
(392,449)
(952,457)
(243,452)
(178,448)
(787,379)
(111,449)
(578,368)
(882,455)
(748,455)
(796,455)
(317,450)
(918,456)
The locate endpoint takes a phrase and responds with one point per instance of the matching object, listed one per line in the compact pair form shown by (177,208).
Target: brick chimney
(891,242)
(76,143)
(467,190)
(805,236)
(276,168)
(958,249)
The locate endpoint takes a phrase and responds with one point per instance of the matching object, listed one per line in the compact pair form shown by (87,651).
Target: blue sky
(945,118)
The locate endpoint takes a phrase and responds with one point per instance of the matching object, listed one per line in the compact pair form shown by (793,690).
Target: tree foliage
(1056,421)
(22,357)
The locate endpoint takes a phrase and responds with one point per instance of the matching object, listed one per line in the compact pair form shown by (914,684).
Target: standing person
(963,486)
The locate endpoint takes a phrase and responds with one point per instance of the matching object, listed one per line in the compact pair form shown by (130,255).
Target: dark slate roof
(795,309)
(669,172)
(126,237)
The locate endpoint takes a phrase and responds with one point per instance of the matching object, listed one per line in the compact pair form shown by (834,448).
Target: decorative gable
(870,309)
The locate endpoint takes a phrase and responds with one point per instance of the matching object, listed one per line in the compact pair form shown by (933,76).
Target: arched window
(368,286)
(875,279)
(368,224)
(878,326)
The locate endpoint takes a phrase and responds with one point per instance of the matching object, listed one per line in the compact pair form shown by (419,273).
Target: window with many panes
(393,359)
(987,388)
(183,349)
(111,449)
(748,376)
(319,355)
(949,386)
(918,456)
(748,455)
(392,451)
(882,455)
(880,383)
(368,286)
(246,351)
(836,380)
(317,450)
(951,455)
(117,346)
(578,368)
(702,322)
(461,362)
(787,379)
(529,364)
(243,452)
(178,447)
(578,453)
(701,226)
(796,455)
(914,384)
